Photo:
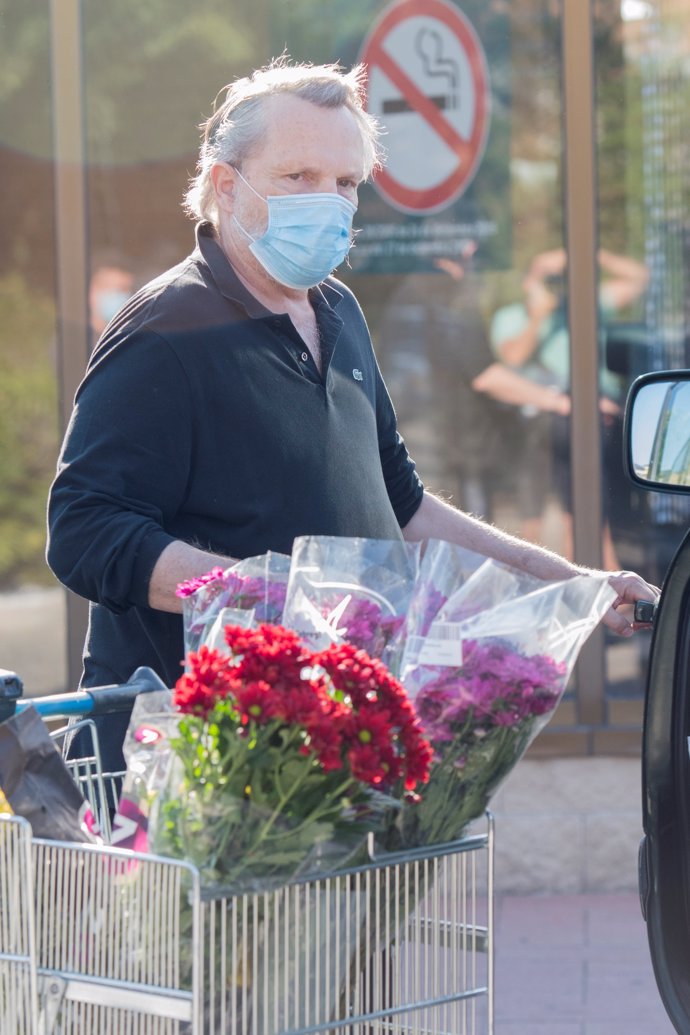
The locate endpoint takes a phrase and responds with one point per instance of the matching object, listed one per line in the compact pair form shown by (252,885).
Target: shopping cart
(105,941)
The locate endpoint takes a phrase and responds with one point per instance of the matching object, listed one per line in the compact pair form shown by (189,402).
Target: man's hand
(436,519)
(630,588)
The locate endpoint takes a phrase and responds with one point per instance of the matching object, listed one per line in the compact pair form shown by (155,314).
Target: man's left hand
(630,588)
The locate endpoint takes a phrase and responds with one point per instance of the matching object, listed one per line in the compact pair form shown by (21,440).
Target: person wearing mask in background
(111,284)
(236,402)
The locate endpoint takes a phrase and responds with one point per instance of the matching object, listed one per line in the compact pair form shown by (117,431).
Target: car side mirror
(657,431)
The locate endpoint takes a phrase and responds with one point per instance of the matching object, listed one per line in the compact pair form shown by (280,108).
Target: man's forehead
(298,130)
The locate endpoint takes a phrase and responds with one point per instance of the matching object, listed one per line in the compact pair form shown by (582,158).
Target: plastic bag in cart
(37,784)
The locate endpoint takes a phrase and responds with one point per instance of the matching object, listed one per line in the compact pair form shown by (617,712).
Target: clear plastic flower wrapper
(247,593)
(351,590)
(284,759)
(486,663)
(148,756)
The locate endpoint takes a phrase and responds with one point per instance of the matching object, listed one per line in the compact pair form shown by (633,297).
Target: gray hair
(238,124)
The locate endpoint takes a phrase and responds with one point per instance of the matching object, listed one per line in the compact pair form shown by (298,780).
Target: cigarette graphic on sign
(428,83)
(429,46)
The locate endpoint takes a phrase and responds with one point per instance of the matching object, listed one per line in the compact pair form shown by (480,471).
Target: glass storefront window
(641,54)
(32,611)
(460,266)
(484,417)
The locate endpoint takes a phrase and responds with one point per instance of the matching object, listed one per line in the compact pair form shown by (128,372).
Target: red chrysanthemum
(350,709)
(326,741)
(382,714)
(268,652)
(207,682)
(256,702)
(371,766)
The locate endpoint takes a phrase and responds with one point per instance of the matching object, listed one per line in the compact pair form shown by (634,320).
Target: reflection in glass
(460,405)
(32,606)
(641,67)
(660,433)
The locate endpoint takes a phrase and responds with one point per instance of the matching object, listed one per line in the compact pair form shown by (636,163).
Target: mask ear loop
(248,184)
(240,227)
(235,219)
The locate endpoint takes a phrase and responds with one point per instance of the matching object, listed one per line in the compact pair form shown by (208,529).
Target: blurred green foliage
(28,430)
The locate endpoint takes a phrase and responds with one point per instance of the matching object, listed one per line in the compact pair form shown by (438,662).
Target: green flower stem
(279,785)
(284,798)
(239,759)
(275,815)
(316,815)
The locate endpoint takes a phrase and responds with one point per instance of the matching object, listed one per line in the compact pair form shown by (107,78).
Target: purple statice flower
(254,591)
(480,718)
(242,591)
(272,604)
(432,705)
(206,596)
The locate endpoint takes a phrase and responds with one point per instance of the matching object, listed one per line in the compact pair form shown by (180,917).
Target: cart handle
(98,700)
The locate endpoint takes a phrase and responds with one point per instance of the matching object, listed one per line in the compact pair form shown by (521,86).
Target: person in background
(434,344)
(111,284)
(236,402)
(531,337)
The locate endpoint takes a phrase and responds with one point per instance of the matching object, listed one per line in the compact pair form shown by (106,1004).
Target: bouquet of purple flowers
(248,593)
(353,591)
(488,655)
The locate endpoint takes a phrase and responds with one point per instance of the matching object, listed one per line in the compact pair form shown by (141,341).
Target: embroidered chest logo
(357,374)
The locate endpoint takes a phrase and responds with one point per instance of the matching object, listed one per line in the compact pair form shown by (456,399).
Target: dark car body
(657,438)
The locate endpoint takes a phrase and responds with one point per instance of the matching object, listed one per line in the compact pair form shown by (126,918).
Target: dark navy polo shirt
(202,417)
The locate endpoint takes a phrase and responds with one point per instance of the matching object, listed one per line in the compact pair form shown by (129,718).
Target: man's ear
(224,180)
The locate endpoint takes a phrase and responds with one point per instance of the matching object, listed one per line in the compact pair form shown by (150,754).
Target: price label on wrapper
(442,645)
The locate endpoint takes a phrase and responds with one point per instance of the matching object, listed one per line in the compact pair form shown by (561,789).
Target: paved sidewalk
(574,965)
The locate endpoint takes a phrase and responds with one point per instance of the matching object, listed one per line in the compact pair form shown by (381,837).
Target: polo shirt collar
(227,281)
(230,285)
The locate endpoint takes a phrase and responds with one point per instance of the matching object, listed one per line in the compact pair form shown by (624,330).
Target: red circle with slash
(428,84)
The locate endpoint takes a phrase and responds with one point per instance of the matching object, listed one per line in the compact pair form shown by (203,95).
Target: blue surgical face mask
(110,303)
(307,236)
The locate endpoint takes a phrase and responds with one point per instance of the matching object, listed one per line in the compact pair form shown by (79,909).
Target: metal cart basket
(110,941)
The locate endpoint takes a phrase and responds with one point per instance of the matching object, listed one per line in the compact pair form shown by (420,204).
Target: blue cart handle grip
(100,700)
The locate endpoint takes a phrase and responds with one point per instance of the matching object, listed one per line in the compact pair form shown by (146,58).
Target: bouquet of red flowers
(284,758)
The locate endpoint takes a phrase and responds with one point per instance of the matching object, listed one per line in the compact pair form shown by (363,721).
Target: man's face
(307,149)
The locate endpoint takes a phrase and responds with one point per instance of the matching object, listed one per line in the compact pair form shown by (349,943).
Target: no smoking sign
(428,85)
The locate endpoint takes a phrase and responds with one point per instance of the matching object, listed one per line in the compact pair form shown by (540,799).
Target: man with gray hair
(235,402)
